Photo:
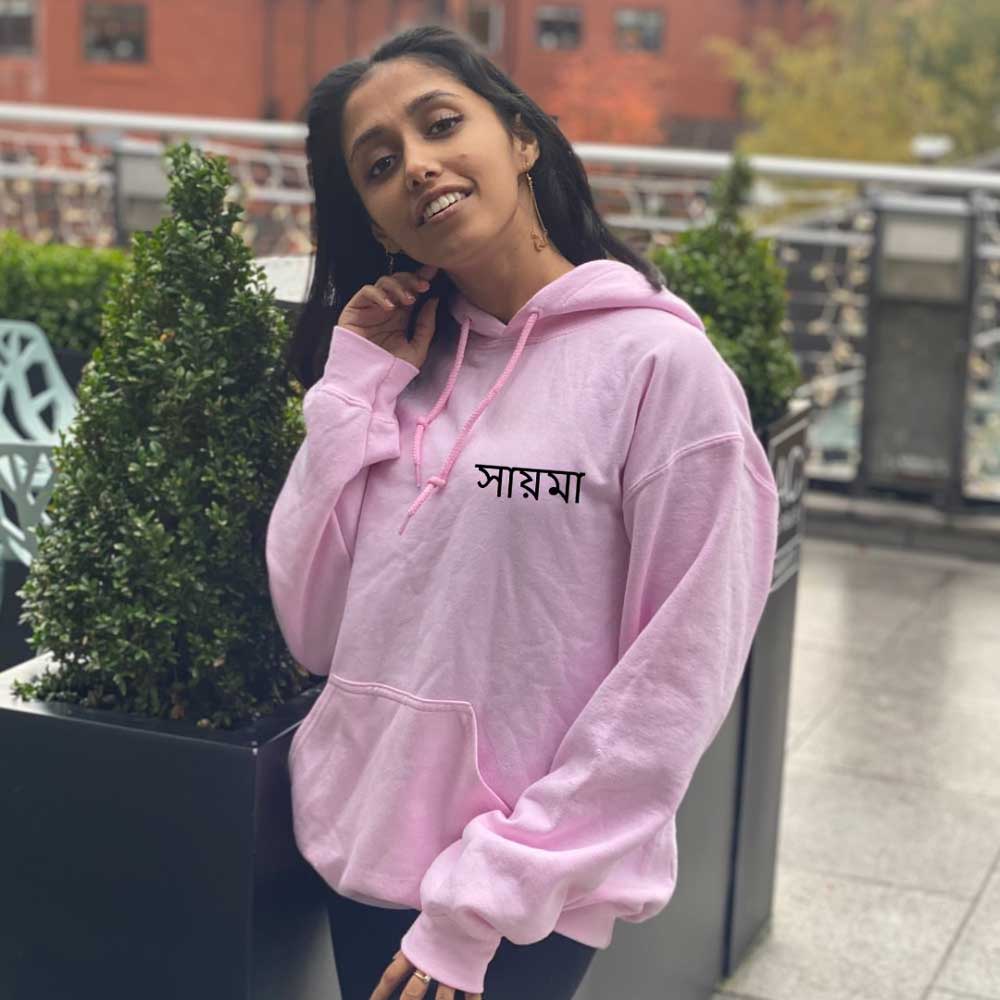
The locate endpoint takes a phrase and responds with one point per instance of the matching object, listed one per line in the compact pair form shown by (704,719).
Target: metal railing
(63,174)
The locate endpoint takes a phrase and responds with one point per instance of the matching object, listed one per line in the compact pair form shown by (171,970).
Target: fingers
(388,293)
(403,287)
(378,297)
(394,974)
(415,989)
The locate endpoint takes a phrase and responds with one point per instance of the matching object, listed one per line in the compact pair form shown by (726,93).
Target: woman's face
(452,140)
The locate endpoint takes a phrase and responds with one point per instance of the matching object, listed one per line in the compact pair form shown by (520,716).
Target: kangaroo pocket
(382,782)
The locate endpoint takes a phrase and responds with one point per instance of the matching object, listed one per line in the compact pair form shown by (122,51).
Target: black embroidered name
(531,480)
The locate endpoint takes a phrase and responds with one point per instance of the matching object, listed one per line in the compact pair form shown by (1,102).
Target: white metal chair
(27,475)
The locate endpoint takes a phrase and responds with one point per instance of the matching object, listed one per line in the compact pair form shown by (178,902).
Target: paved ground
(888,882)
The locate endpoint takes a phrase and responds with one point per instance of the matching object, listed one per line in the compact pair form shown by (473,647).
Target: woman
(528,539)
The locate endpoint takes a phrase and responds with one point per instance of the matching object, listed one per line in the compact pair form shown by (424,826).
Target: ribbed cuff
(358,368)
(439,947)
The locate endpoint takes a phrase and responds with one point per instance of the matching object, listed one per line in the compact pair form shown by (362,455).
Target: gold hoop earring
(540,241)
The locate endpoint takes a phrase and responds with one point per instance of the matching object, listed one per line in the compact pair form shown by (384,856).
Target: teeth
(443,202)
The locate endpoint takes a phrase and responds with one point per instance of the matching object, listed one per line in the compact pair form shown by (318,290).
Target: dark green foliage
(61,288)
(150,585)
(733,281)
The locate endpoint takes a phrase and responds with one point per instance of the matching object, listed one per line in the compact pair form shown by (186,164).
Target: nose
(419,178)
(421,167)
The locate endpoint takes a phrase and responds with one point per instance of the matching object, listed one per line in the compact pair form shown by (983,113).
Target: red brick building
(259,58)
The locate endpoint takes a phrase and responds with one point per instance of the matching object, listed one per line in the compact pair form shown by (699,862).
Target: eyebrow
(411,108)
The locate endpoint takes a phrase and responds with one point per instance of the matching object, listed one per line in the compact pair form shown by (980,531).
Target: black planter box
(148,859)
(763,698)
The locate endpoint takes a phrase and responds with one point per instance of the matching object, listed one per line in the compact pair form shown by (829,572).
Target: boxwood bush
(150,587)
(732,279)
(61,288)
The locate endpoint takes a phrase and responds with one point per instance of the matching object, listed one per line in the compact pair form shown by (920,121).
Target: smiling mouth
(450,210)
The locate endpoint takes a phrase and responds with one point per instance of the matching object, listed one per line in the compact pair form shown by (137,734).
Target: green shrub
(733,281)
(150,587)
(61,288)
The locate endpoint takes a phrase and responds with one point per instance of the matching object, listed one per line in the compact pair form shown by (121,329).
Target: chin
(462,248)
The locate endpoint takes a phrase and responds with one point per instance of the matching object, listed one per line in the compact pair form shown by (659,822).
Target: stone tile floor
(888,875)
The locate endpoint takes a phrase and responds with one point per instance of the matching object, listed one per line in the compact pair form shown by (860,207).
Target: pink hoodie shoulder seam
(682,453)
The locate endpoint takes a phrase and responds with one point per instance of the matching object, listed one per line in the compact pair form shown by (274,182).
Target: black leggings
(366,937)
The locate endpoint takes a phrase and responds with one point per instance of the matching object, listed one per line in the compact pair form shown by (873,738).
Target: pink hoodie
(532,577)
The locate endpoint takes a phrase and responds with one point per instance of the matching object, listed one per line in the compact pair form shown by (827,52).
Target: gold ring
(422,975)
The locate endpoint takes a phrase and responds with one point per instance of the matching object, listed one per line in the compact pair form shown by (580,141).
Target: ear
(525,142)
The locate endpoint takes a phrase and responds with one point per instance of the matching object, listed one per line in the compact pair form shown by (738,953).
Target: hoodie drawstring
(439,481)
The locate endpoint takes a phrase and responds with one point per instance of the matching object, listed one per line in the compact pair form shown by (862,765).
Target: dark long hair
(347,254)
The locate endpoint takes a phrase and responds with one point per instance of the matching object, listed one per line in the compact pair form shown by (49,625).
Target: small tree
(733,281)
(618,97)
(861,79)
(149,587)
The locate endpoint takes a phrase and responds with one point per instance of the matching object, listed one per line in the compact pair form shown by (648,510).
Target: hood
(596,284)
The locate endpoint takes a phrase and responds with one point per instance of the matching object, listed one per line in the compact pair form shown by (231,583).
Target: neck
(507,285)
(510,271)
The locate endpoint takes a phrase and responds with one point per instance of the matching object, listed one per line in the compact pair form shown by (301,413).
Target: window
(639,30)
(16,27)
(114,32)
(486,25)
(558,27)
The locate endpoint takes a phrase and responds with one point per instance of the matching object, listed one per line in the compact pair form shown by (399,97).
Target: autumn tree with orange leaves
(616,97)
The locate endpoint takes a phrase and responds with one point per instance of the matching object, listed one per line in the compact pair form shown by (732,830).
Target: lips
(422,221)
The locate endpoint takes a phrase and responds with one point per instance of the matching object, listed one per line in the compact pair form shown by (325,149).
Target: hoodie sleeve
(350,425)
(703,531)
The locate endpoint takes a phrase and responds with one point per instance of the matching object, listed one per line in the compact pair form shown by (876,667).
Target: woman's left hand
(400,969)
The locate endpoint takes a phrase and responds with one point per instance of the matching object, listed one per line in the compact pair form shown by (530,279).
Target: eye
(449,118)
